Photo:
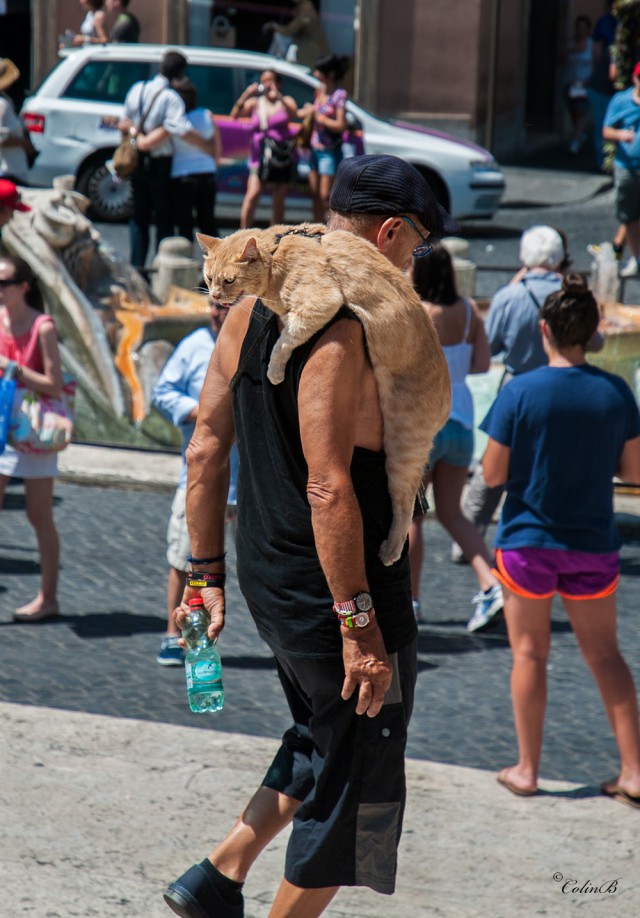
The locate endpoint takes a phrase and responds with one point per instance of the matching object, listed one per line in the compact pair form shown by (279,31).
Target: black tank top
(278,568)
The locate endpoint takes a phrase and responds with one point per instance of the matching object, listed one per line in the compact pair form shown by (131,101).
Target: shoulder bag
(7,394)
(42,423)
(276,156)
(126,157)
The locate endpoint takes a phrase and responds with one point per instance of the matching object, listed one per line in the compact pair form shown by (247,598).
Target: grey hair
(541,246)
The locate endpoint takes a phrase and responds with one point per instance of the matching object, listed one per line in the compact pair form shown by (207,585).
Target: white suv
(72,119)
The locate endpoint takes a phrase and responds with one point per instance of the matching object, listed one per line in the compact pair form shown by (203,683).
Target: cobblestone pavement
(99,657)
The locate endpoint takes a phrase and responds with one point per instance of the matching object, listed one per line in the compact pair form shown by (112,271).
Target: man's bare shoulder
(232,334)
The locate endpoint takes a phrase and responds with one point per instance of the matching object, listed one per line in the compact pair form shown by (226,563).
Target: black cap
(381,184)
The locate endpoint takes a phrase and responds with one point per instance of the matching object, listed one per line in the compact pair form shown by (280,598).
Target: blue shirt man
(177,395)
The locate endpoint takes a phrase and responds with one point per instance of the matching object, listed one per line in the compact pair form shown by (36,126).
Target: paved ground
(100,655)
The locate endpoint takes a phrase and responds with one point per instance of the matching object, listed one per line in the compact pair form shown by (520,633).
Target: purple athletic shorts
(537,573)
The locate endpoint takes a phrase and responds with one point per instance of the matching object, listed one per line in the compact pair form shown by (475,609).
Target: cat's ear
(250,251)
(207,243)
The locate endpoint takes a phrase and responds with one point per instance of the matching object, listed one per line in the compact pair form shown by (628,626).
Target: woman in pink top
(269,112)
(20,307)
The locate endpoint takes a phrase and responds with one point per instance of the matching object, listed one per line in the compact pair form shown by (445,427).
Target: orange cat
(305,275)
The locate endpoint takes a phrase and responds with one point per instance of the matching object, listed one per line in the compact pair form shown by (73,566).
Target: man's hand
(366,667)
(214,603)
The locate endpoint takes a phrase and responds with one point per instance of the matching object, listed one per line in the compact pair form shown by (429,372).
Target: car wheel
(437,185)
(111,197)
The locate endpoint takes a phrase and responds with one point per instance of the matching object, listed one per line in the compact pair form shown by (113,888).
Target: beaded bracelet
(207,560)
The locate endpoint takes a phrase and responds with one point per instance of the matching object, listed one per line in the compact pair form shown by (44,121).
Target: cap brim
(449,225)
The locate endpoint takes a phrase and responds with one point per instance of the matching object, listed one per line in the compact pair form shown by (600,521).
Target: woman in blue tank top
(464,342)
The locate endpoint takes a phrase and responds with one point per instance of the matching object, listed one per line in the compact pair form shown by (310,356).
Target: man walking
(313,508)
(622,126)
(177,394)
(153,104)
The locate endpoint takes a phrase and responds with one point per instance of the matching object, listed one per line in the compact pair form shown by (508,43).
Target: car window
(301,92)
(107,81)
(215,85)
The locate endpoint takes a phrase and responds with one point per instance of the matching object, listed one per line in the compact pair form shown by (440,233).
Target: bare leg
(529,628)
(448,482)
(175,590)
(293,902)
(620,236)
(250,202)
(324,193)
(278,195)
(314,188)
(39,498)
(267,813)
(633,238)
(594,625)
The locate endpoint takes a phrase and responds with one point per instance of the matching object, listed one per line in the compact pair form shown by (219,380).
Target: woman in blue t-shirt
(557,437)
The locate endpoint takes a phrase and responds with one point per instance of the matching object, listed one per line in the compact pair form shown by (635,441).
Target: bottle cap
(196,602)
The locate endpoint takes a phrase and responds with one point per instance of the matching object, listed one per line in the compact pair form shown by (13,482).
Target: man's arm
(328,403)
(495,325)
(170,394)
(208,464)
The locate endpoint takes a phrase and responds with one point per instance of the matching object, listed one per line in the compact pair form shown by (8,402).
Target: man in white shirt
(150,105)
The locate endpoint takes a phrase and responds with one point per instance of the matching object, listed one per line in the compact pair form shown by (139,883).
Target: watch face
(360,619)
(364,602)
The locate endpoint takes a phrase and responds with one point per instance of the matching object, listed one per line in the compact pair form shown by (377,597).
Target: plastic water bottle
(202,662)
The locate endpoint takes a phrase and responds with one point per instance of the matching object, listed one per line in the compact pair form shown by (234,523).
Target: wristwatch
(356,612)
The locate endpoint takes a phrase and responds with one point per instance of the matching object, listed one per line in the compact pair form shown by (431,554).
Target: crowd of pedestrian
(306,458)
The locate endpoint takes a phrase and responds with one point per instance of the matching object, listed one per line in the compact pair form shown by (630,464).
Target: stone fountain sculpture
(115,334)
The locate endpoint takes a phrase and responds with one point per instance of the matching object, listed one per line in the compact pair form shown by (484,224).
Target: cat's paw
(275,373)
(390,551)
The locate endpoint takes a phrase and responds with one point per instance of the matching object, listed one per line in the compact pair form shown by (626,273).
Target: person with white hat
(13,142)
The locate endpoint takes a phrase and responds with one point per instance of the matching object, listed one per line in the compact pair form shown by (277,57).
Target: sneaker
(171,654)
(487,605)
(630,268)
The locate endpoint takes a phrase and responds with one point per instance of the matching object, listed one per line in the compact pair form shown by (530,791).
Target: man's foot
(509,779)
(36,611)
(204,892)
(487,605)
(629,268)
(170,654)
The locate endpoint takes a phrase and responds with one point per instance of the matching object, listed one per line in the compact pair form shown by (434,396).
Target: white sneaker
(487,605)
(630,268)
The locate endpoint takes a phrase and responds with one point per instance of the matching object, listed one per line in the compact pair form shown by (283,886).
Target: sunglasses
(425,248)
(9,282)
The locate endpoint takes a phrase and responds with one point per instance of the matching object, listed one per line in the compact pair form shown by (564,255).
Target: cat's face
(233,268)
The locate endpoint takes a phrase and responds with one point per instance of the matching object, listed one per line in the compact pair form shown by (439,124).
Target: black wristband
(193,560)
(202,580)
